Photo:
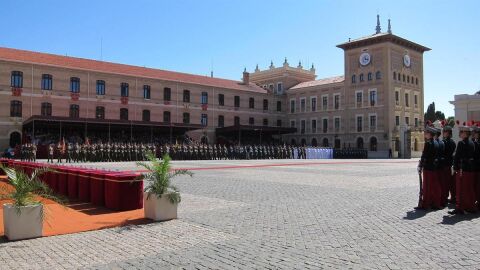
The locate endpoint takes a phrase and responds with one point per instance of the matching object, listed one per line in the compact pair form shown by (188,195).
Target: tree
(439,115)
(430,114)
(450,121)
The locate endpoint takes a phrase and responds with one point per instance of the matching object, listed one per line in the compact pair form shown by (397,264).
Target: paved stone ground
(333,214)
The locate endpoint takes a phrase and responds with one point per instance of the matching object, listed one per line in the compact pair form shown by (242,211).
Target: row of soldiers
(28,152)
(110,152)
(449,169)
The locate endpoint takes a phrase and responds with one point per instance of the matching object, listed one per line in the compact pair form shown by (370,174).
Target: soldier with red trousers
(476,160)
(448,181)
(463,165)
(440,164)
(428,166)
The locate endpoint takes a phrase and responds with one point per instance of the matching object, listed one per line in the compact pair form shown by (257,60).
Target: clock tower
(384,91)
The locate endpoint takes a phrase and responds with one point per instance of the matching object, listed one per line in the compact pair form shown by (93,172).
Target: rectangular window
(16,79)
(265,121)
(292,123)
(415,101)
(279,122)
(100,88)
(167,117)
(397,120)
(337,124)
(236,100)
(407,102)
(146,91)
(279,88)
(204,119)
(416,122)
(313,102)
(325,103)
(74,111)
(279,106)
(221,100)
(47,82)
(292,106)
(303,105)
(167,94)
(124,114)
(359,123)
(46,109)
(124,89)
(186,96)
(336,101)
(146,115)
(221,121)
(204,98)
(100,112)
(302,126)
(186,118)
(236,121)
(314,126)
(407,120)
(359,99)
(265,104)
(397,98)
(15,108)
(373,122)
(74,85)
(373,98)
(251,121)
(325,125)
(251,103)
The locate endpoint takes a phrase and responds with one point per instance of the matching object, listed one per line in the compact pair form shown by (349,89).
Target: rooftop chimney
(246,77)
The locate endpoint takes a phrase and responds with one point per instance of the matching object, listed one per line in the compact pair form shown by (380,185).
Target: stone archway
(360,143)
(373,144)
(15,139)
(314,142)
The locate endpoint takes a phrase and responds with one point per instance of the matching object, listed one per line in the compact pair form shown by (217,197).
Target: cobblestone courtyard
(289,214)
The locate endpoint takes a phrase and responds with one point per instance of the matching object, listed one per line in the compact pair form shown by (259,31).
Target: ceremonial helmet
(430,128)
(464,127)
(475,126)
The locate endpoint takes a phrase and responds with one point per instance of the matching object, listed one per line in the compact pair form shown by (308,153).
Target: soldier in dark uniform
(428,164)
(69,153)
(463,164)
(476,159)
(448,179)
(440,163)
(51,151)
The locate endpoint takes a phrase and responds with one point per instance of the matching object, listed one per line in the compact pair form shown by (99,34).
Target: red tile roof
(24,56)
(331,80)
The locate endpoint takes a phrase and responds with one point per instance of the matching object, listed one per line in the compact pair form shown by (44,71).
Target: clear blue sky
(189,36)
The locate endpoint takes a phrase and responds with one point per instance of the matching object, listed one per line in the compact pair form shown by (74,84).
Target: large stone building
(379,97)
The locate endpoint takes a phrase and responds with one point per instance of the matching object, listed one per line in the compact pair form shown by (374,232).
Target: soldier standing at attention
(449,180)
(476,159)
(34,152)
(51,151)
(59,152)
(463,167)
(440,159)
(427,165)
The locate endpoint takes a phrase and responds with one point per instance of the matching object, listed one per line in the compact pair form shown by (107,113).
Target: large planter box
(24,225)
(62,174)
(97,179)
(123,192)
(72,183)
(84,185)
(159,209)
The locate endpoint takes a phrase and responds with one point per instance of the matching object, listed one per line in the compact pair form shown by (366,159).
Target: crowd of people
(451,172)
(110,152)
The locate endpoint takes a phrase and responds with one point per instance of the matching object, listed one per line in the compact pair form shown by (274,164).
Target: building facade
(379,96)
(467,108)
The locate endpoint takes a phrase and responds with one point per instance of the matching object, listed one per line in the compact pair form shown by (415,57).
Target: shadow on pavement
(454,219)
(414,214)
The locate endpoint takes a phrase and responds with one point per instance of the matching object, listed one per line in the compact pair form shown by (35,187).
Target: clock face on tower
(406,60)
(364,59)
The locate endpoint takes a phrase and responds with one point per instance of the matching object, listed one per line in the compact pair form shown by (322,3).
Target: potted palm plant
(161,197)
(23,217)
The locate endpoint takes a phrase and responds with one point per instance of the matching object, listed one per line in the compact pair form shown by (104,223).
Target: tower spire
(389,27)
(378,29)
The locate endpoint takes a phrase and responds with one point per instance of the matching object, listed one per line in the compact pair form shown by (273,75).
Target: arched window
(337,143)
(46,109)
(17,79)
(75,85)
(394,75)
(373,144)
(100,112)
(167,117)
(15,108)
(378,75)
(362,78)
(354,78)
(15,139)
(314,142)
(74,111)
(303,142)
(124,114)
(146,115)
(47,82)
(369,77)
(360,143)
(325,142)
